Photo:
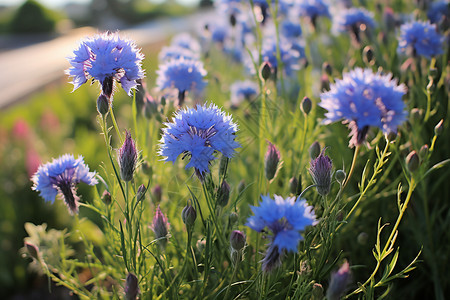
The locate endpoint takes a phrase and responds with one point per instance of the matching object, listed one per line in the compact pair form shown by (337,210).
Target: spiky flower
(354,20)
(198,133)
(106,57)
(60,177)
(438,11)
(420,38)
(285,218)
(128,156)
(363,99)
(321,173)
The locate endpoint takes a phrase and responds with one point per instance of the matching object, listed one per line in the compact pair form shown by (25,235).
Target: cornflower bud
(412,161)
(416,115)
(102,104)
(157,193)
(241,186)
(368,55)
(265,71)
(340,176)
(339,282)
(147,168)
(223,194)
(317,292)
(140,194)
(324,83)
(233,218)
(131,287)
(423,152)
(237,240)
(320,170)
(189,215)
(127,158)
(271,161)
(314,150)
(150,107)
(33,250)
(362,238)
(106,197)
(293,185)
(306,105)
(326,67)
(439,128)
(160,226)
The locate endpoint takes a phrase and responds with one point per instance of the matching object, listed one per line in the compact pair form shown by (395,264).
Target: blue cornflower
(285,218)
(176,52)
(313,9)
(182,74)
(438,10)
(185,40)
(291,29)
(354,20)
(243,90)
(61,177)
(289,56)
(365,99)
(199,133)
(421,38)
(106,57)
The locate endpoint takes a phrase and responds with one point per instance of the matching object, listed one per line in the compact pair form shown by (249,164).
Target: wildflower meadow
(282,150)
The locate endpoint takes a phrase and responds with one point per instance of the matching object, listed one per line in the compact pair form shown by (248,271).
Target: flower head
(243,90)
(365,99)
(198,133)
(60,177)
(289,55)
(291,29)
(285,218)
(106,57)
(182,74)
(420,37)
(354,20)
(314,9)
(186,41)
(176,52)
(160,226)
(438,10)
(128,155)
(321,172)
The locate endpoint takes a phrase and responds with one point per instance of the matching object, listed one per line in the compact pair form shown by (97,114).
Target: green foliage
(33,17)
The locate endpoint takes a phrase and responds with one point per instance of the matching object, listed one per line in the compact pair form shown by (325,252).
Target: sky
(59,3)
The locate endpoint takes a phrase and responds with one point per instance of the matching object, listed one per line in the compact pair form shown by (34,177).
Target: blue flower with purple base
(285,218)
(60,177)
(421,38)
(198,133)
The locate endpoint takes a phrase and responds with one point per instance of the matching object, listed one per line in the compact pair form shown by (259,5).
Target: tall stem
(352,168)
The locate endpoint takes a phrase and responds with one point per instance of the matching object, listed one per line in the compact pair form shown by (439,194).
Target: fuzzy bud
(368,55)
(339,282)
(271,161)
(439,128)
(416,115)
(106,197)
(317,292)
(102,104)
(265,71)
(321,171)
(233,218)
(223,194)
(131,287)
(140,194)
(160,226)
(314,150)
(362,238)
(324,83)
(157,193)
(33,250)
(412,161)
(237,240)
(340,176)
(241,186)
(306,105)
(127,158)
(293,185)
(189,215)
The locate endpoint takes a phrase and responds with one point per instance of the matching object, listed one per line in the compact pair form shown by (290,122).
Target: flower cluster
(420,38)
(285,218)
(365,99)
(199,133)
(107,57)
(60,177)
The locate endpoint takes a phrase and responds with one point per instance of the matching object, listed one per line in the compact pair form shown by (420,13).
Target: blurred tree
(32,17)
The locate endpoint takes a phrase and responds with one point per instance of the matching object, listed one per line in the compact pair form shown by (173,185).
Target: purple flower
(321,172)
(160,226)
(365,99)
(198,133)
(60,177)
(106,57)
(131,287)
(285,218)
(128,155)
(420,37)
(339,282)
(272,161)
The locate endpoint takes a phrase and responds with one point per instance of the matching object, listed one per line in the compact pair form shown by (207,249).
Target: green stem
(352,168)
(236,268)
(113,118)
